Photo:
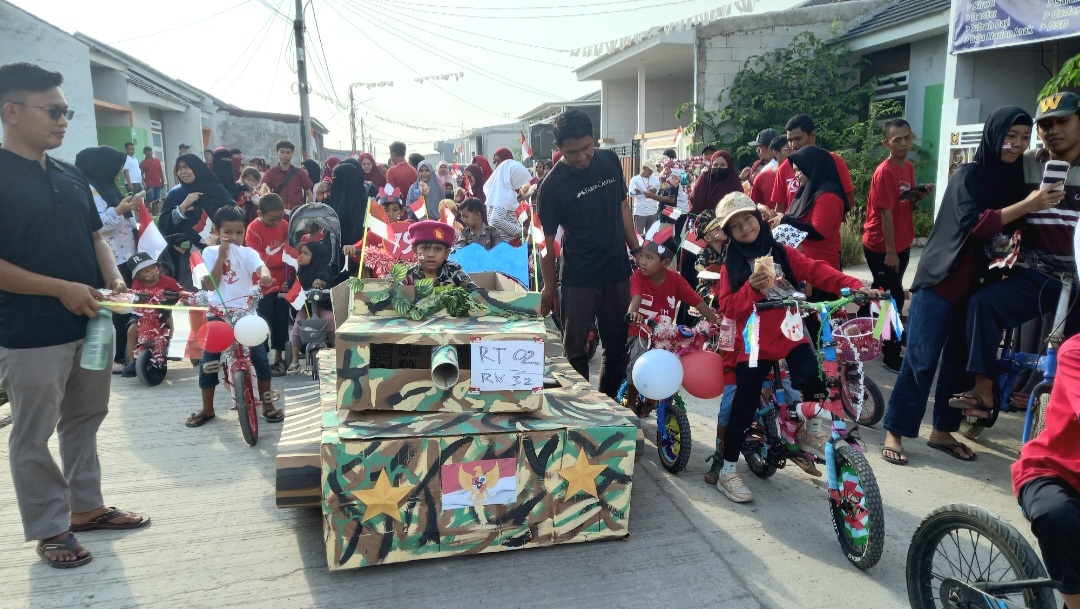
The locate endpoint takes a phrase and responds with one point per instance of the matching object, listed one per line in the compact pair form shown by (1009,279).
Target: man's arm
(127,178)
(547,271)
(891,259)
(628,226)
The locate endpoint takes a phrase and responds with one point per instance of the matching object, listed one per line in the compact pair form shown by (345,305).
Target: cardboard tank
(453,435)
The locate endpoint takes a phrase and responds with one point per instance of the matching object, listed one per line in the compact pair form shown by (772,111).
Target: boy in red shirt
(153,175)
(147,278)
(889,229)
(268,236)
(655,292)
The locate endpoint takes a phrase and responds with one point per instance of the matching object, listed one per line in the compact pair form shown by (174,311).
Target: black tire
(149,373)
(873,409)
(755,448)
(971,429)
(247,407)
(949,529)
(864,500)
(1038,416)
(674,455)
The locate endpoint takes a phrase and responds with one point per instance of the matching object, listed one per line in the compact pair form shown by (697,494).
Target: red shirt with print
(293,193)
(887,188)
(785,186)
(164,284)
(658,302)
(152,174)
(269,243)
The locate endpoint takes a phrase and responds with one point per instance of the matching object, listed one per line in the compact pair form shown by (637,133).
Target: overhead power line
(526,14)
(183,25)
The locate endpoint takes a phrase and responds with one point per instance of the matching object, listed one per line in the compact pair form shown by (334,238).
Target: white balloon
(252,330)
(658,374)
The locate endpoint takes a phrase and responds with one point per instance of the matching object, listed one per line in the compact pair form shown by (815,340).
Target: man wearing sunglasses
(52,259)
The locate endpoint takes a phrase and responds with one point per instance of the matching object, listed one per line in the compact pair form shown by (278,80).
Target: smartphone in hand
(1055,172)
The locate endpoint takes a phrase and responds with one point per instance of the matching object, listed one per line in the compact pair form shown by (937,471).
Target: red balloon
(215,336)
(703,374)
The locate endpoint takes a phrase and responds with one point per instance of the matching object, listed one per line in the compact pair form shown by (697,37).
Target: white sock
(729,468)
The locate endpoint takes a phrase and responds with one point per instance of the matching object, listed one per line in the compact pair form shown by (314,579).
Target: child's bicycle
(152,346)
(237,371)
(850,375)
(673,439)
(1011,363)
(964,556)
(854,499)
(313,330)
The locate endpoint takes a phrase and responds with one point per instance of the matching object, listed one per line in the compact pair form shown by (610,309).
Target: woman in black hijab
(349,199)
(223,169)
(313,170)
(979,197)
(819,206)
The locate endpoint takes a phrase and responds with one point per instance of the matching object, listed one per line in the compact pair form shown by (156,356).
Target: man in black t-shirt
(52,255)
(586,195)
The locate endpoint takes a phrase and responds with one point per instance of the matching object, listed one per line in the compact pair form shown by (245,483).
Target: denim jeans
(935,332)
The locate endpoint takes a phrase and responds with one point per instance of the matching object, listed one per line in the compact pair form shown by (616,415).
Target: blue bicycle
(1012,363)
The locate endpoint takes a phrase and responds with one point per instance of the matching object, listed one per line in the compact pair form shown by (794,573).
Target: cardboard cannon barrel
(444,367)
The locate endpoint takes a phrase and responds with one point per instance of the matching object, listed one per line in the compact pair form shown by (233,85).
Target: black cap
(1059,104)
(139,262)
(764,138)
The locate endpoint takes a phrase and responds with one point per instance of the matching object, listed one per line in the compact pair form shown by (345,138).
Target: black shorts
(1053,507)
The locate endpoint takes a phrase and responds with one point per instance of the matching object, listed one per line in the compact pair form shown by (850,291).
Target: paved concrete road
(218,541)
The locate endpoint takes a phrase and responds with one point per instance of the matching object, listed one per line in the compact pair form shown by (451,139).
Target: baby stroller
(316,222)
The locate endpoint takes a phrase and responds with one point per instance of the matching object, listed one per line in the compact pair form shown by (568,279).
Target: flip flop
(960,401)
(948,449)
(70,544)
(272,419)
(198,420)
(101,523)
(894,460)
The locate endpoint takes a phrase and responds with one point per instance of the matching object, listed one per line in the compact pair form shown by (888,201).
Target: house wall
(254,136)
(926,75)
(662,98)
(618,110)
(24,37)
(723,46)
(181,128)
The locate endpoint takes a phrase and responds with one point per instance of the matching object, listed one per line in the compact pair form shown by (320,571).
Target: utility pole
(363,140)
(352,120)
(301,73)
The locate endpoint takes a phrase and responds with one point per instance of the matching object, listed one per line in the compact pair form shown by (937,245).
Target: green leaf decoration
(379,296)
(416,314)
(402,306)
(355,284)
(424,287)
(398,272)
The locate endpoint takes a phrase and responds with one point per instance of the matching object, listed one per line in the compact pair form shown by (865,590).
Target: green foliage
(851,247)
(1067,78)
(924,222)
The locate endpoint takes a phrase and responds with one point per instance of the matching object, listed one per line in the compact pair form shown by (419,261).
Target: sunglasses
(54,112)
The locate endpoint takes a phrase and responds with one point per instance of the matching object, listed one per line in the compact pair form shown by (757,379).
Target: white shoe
(733,486)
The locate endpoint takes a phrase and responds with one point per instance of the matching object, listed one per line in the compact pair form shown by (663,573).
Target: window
(892,87)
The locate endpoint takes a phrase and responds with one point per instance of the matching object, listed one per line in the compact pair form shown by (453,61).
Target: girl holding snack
(754,262)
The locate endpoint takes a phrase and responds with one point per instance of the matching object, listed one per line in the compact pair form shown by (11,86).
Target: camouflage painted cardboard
(383,363)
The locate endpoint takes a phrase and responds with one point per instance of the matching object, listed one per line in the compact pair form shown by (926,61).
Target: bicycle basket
(312,330)
(855,340)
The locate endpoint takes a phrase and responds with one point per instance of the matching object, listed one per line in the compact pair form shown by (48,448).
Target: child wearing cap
(147,278)
(749,269)
(655,292)
(432,242)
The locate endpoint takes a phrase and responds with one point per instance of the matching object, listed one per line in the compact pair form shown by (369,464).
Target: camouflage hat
(706,223)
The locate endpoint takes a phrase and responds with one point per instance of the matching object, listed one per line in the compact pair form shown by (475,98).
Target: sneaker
(893,367)
(713,475)
(732,485)
(128,371)
(806,465)
(294,369)
(813,443)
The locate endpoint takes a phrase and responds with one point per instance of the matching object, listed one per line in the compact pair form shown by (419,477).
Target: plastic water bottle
(97,349)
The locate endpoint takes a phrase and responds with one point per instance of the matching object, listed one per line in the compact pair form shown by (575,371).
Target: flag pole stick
(363,243)
(536,249)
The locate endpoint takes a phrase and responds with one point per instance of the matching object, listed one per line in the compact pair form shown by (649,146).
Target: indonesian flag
(526,149)
(150,240)
(290,256)
(678,135)
(204,226)
(467,184)
(692,245)
(419,208)
(540,241)
(296,296)
(198,269)
(523,212)
(378,222)
(672,213)
(447,216)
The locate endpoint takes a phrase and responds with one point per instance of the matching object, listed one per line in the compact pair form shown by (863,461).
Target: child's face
(394,212)
(468,218)
(252,183)
(716,238)
(304,258)
(272,218)
(432,256)
(230,232)
(150,275)
(650,263)
(898,141)
(744,227)
(425,174)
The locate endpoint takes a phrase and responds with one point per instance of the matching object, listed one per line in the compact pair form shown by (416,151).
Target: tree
(1067,78)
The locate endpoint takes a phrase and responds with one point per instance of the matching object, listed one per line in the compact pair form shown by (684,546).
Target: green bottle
(97,346)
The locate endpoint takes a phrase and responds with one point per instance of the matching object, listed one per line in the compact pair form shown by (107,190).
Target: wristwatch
(636,250)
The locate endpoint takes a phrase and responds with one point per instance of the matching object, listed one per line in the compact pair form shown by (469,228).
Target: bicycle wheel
(148,372)
(858,516)
(968,543)
(873,408)
(247,407)
(755,448)
(675,451)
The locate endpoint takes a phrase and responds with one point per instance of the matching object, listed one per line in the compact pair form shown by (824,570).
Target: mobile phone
(909,194)
(1055,172)
(923,188)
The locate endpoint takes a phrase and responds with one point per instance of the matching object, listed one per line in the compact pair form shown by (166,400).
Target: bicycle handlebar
(856,298)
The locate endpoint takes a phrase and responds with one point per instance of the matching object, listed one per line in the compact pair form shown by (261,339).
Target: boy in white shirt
(232,268)
(646,209)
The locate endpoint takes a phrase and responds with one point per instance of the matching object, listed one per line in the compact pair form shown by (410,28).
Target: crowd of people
(621,262)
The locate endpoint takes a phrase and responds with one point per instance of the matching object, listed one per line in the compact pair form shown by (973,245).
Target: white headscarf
(501,188)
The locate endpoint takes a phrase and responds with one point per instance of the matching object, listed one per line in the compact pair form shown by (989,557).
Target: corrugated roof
(819,3)
(896,13)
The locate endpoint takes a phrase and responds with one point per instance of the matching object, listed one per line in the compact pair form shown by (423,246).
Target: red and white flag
(692,245)
(526,149)
(540,240)
(378,222)
(447,216)
(296,296)
(290,256)
(678,136)
(673,213)
(523,212)
(204,226)
(198,269)
(419,208)
(150,240)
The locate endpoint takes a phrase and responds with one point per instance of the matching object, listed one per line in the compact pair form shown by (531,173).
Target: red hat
(430,231)
(504,154)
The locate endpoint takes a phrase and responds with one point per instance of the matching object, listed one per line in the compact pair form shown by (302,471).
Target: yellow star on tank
(581,476)
(383,498)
